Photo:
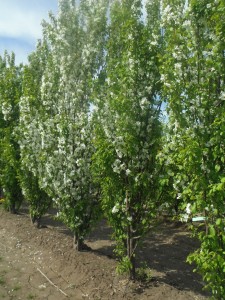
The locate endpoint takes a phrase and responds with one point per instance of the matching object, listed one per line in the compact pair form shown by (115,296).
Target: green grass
(17,287)
(2,280)
(31,296)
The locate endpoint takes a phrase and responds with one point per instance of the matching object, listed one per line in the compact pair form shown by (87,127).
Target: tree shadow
(164,250)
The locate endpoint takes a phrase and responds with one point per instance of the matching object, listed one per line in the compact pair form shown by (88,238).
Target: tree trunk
(78,242)
(206,223)
(206,214)
(132,271)
(12,208)
(130,244)
(130,253)
(36,221)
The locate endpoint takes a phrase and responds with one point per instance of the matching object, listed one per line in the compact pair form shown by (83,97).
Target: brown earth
(41,263)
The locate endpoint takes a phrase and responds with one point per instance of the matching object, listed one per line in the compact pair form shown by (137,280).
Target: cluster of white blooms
(6,110)
(222,95)
(115,209)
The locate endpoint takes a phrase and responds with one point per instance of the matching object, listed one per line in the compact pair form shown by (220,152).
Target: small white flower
(163,78)
(119,153)
(144,101)
(179,195)
(222,96)
(115,209)
(184,218)
(131,61)
(187,23)
(188,209)
(128,172)
(153,43)
(108,81)
(178,66)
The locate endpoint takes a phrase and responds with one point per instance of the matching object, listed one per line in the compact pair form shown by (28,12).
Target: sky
(20,25)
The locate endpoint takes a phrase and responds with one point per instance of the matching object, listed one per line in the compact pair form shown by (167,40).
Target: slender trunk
(78,242)
(36,220)
(206,214)
(12,208)
(132,260)
(75,237)
(130,244)
(206,222)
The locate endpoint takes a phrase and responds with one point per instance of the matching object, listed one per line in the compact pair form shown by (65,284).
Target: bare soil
(41,263)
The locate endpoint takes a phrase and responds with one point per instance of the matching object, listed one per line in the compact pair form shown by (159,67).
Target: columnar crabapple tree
(128,130)
(10,91)
(193,76)
(75,38)
(29,134)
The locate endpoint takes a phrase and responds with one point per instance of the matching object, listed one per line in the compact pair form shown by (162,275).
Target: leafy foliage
(192,69)
(75,40)
(29,137)
(87,119)
(10,91)
(128,130)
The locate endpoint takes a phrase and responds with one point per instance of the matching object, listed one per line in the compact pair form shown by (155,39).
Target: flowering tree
(128,130)
(192,73)
(75,39)
(29,134)
(10,91)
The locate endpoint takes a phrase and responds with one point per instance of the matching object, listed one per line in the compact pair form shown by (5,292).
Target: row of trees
(81,123)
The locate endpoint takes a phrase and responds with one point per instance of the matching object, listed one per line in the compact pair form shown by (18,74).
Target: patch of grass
(144,274)
(31,296)
(2,280)
(17,287)
(1,258)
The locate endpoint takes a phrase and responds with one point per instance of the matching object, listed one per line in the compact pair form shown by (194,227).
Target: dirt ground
(41,263)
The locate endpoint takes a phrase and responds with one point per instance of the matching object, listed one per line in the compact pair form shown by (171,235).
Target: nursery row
(119,112)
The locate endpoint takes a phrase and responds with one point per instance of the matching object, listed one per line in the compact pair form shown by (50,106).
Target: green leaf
(218,222)
(217,168)
(212,231)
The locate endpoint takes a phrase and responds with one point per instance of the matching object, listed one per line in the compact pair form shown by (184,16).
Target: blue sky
(20,25)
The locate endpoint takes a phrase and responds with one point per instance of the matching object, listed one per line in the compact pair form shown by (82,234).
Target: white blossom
(115,210)
(188,209)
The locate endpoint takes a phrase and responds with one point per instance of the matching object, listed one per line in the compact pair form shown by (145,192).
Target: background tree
(128,130)
(29,133)
(10,92)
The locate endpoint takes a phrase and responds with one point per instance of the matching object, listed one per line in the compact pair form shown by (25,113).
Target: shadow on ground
(165,250)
